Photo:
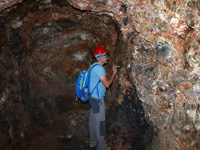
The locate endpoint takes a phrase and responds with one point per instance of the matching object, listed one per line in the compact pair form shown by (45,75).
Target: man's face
(106,59)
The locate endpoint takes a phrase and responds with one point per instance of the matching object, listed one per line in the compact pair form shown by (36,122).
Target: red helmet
(100,49)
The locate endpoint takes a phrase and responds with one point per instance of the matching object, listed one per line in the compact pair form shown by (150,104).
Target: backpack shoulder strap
(92,66)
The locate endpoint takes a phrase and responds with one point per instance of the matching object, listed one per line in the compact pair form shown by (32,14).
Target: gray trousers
(97,123)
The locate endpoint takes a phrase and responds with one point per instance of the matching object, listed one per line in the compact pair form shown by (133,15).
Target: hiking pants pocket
(94,105)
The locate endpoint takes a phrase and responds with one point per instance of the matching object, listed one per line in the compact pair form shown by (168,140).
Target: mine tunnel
(44,47)
(153,103)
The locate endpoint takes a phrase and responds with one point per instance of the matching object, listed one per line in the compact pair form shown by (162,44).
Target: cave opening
(44,46)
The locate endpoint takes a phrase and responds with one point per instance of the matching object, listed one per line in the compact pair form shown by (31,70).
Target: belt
(98,99)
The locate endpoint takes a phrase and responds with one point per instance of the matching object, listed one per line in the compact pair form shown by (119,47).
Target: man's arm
(107,82)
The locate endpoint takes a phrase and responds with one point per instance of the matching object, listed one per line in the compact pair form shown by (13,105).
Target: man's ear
(97,58)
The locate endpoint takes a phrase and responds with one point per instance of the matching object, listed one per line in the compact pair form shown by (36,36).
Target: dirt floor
(54,136)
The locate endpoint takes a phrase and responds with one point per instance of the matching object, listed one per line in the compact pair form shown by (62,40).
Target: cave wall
(161,60)
(163,39)
(44,47)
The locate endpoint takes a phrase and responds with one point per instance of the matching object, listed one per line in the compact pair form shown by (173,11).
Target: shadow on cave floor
(52,136)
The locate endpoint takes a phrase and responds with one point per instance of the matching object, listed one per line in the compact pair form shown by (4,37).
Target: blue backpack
(83,84)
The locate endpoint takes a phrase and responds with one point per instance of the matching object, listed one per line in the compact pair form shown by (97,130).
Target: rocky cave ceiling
(45,44)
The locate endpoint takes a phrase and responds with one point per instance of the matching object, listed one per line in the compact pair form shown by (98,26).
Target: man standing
(98,84)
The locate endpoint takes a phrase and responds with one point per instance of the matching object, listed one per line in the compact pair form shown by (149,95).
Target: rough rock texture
(163,39)
(44,47)
(159,60)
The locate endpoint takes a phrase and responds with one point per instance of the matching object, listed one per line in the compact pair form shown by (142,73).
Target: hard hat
(100,50)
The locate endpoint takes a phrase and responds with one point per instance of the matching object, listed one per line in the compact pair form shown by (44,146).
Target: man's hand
(114,69)
(107,82)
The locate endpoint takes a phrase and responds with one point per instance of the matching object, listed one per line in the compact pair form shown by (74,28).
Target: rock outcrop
(45,44)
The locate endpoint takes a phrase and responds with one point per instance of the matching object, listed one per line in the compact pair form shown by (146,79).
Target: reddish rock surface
(45,44)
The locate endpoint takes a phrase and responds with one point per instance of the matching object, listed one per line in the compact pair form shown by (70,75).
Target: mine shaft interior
(153,103)
(44,48)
